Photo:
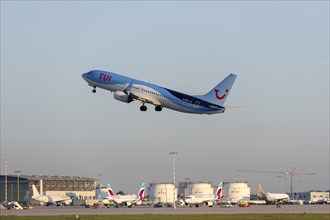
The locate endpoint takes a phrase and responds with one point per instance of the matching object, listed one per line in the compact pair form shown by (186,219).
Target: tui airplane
(127,89)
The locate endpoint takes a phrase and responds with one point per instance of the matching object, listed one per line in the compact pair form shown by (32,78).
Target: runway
(74,210)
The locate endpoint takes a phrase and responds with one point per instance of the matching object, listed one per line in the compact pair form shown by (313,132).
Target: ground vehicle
(28,207)
(243,204)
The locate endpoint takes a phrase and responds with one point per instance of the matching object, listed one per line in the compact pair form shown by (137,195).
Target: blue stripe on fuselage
(191,99)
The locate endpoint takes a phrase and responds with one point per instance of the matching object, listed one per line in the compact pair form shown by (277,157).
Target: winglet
(128,88)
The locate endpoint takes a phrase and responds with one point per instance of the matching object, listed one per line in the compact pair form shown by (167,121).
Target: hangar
(19,187)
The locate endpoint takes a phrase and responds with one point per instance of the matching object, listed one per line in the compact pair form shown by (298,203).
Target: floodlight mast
(17,172)
(173,155)
(6,181)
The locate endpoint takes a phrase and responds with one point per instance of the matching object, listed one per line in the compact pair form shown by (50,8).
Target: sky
(52,124)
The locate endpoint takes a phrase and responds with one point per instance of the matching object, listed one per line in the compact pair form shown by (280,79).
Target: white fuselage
(121,199)
(200,199)
(53,199)
(272,197)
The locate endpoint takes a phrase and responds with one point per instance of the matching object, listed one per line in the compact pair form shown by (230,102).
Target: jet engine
(209,204)
(67,202)
(106,201)
(129,204)
(122,96)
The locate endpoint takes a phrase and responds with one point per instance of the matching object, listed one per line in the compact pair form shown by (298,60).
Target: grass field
(177,217)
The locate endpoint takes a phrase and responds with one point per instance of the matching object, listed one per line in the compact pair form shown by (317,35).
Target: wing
(144,99)
(59,199)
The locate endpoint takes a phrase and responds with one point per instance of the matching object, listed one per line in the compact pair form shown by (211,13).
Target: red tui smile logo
(217,94)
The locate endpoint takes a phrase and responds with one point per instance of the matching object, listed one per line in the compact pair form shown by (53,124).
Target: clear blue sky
(52,124)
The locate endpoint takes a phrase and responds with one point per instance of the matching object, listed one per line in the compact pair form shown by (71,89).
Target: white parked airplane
(272,197)
(49,200)
(208,200)
(124,200)
(13,205)
(127,89)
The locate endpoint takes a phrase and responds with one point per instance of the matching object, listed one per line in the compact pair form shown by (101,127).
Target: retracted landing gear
(94,90)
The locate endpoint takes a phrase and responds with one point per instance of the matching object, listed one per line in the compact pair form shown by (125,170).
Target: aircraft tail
(220,92)
(260,190)
(218,193)
(110,191)
(35,191)
(141,192)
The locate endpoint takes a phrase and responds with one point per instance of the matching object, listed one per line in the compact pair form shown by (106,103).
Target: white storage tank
(162,194)
(199,188)
(196,188)
(236,191)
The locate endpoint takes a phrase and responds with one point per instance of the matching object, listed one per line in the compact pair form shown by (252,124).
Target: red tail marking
(219,193)
(111,192)
(217,95)
(141,194)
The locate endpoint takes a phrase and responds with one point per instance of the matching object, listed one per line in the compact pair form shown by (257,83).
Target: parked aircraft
(124,200)
(272,197)
(12,205)
(322,199)
(208,200)
(127,89)
(49,200)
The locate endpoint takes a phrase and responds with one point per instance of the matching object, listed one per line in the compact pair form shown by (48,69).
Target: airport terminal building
(19,188)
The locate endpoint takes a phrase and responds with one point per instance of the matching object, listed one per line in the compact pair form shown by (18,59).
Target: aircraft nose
(85,75)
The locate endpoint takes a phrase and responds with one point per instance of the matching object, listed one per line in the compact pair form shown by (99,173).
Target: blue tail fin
(219,93)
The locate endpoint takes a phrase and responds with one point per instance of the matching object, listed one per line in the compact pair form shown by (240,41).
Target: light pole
(6,181)
(173,154)
(100,176)
(18,172)
(187,180)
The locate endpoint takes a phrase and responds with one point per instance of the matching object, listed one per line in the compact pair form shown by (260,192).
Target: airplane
(208,200)
(13,205)
(124,200)
(49,200)
(271,198)
(127,89)
(106,198)
(321,199)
